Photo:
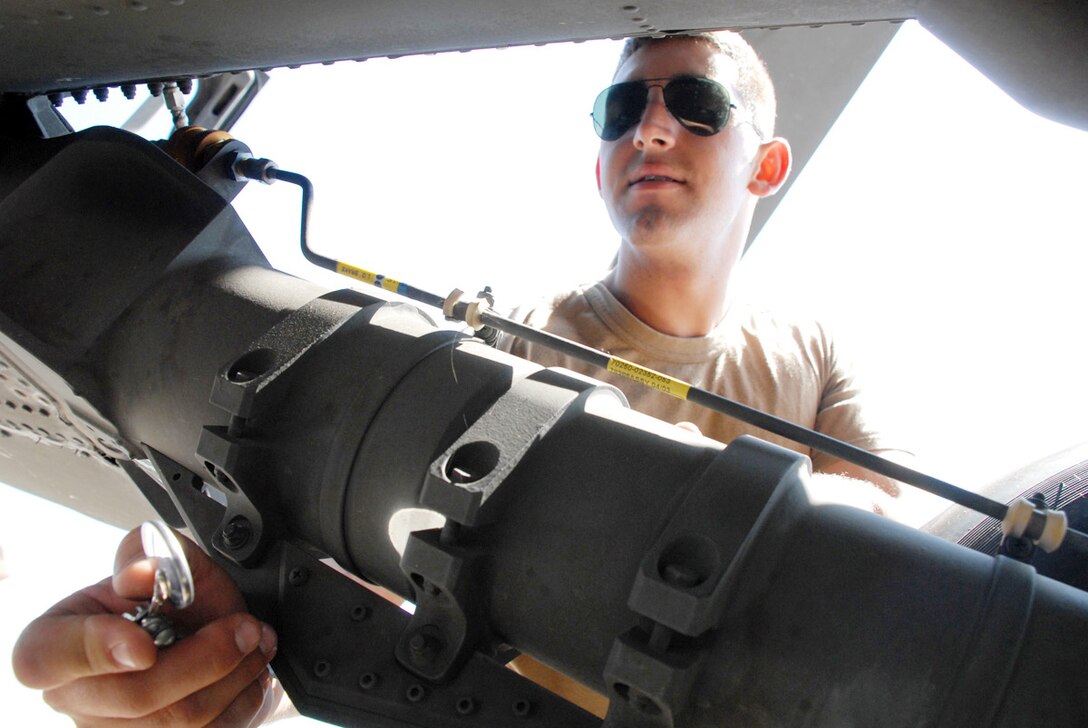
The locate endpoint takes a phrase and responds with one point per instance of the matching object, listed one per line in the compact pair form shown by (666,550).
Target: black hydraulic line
(784,428)
(374,279)
(671,386)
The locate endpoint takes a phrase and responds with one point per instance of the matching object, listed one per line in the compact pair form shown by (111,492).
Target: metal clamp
(687,576)
(448,624)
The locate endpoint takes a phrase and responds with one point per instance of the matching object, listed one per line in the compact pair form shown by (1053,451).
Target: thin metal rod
(669,385)
(796,433)
(375,279)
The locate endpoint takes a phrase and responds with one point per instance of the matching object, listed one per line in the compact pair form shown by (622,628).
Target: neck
(683,297)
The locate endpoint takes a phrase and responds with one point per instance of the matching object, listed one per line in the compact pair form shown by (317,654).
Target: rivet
(522,708)
(369,680)
(99,10)
(415,693)
(138,6)
(322,668)
(466,706)
(359,613)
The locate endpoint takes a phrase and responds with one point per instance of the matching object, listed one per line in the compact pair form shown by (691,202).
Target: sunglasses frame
(663,83)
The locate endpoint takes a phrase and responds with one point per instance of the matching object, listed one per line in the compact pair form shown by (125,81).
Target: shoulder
(778,328)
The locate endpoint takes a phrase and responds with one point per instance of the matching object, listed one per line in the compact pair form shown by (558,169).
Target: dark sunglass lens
(618,108)
(700,104)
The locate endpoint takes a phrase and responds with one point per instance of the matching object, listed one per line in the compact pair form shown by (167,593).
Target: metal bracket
(247,527)
(687,576)
(448,624)
(461,479)
(336,659)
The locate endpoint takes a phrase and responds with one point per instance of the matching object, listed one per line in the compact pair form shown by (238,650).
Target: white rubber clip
(1019,515)
(472,309)
(450,302)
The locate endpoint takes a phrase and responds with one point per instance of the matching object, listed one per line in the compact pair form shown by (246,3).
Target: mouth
(654,178)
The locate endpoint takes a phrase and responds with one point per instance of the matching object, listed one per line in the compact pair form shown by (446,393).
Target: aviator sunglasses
(701,105)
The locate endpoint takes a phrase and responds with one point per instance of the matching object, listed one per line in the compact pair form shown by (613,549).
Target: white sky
(940,227)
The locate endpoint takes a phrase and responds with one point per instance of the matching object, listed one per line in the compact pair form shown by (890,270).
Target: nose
(657,128)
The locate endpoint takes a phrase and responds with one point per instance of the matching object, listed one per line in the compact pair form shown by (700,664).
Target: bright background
(940,227)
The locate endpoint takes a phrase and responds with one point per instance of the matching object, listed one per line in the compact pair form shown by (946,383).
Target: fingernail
(268,641)
(247,636)
(123,656)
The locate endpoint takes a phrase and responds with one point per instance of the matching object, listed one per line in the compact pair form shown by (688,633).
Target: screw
(236,534)
(298,576)
(422,648)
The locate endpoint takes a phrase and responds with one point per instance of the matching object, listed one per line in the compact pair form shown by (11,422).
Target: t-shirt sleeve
(851,409)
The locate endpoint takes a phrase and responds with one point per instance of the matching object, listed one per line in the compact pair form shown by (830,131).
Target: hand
(103,670)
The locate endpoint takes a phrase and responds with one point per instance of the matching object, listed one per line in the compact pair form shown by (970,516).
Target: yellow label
(649,377)
(352,272)
(366,276)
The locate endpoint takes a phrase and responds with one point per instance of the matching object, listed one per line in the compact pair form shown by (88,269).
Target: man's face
(659,180)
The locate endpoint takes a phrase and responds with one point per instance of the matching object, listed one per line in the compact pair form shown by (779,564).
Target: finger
(216,593)
(58,648)
(252,707)
(210,656)
(231,702)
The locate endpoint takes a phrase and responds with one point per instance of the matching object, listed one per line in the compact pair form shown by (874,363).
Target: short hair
(753,81)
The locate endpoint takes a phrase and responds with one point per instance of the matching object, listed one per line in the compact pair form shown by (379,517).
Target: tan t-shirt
(785,368)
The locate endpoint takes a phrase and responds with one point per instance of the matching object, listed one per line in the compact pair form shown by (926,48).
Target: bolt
(298,576)
(681,576)
(129,90)
(185,85)
(56,99)
(155,88)
(423,648)
(80,95)
(237,532)
(102,93)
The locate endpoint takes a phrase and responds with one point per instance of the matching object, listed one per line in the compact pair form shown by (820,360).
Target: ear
(598,174)
(772,167)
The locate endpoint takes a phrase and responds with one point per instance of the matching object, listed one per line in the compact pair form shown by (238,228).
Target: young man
(687,150)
